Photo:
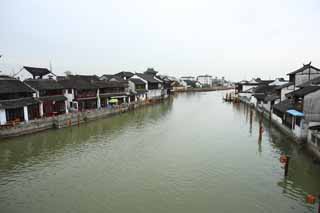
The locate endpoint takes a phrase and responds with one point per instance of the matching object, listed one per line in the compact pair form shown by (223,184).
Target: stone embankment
(65,120)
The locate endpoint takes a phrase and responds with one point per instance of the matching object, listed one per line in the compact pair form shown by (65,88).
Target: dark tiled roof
(43,84)
(147,77)
(53,98)
(17,103)
(37,71)
(137,81)
(304,67)
(89,78)
(11,85)
(125,74)
(304,91)
(284,105)
(111,84)
(77,84)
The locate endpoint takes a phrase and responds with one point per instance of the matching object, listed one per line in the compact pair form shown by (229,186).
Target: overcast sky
(236,39)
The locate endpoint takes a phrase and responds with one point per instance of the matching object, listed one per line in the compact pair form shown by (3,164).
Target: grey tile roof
(137,81)
(17,103)
(37,71)
(304,91)
(11,85)
(149,78)
(44,84)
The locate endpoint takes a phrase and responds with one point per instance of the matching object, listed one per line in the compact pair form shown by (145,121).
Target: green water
(193,153)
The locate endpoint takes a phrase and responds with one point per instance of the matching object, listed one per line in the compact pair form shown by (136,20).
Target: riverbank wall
(70,119)
(273,120)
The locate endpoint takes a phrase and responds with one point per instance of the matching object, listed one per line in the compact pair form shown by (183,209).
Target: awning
(295,113)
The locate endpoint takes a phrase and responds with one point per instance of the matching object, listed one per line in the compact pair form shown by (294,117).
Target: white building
(153,85)
(35,73)
(205,80)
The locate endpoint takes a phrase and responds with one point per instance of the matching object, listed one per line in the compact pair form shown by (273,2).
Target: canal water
(193,153)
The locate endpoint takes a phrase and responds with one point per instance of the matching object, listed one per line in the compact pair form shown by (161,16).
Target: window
(69,91)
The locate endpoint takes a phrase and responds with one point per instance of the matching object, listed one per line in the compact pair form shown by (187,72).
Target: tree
(68,72)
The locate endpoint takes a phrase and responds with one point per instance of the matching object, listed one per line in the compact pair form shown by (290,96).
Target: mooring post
(286,166)
(319,203)
(251,119)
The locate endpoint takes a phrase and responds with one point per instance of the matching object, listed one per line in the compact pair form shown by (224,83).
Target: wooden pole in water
(251,114)
(319,203)
(286,166)
(78,119)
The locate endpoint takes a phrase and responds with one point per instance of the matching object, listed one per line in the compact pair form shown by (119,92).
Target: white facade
(153,93)
(3,118)
(205,79)
(24,74)
(69,94)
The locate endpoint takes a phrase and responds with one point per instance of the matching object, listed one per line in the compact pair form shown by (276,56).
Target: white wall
(3,119)
(285,91)
(205,80)
(69,97)
(155,93)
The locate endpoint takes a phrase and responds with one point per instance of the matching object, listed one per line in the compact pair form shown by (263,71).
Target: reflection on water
(190,154)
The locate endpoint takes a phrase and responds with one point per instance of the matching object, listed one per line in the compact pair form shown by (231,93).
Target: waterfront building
(205,80)
(17,102)
(153,85)
(245,89)
(27,72)
(109,90)
(300,110)
(304,74)
(138,87)
(81,93)
(51,96)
